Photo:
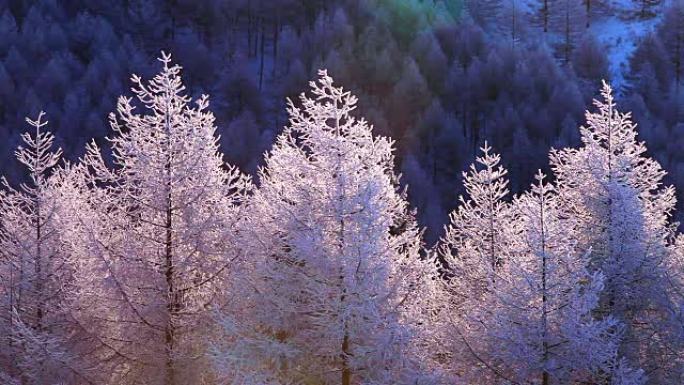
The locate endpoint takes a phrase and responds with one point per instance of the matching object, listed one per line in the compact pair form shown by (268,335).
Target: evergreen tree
(476,246)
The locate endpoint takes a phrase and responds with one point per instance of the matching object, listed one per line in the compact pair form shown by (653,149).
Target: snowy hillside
(618,24)
(620,29)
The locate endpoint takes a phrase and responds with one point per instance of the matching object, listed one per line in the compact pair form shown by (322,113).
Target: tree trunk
(249,29)
(588,4)
(346,371)
(513,26)
(257,26)
(171,301)
(38,262)
(567,32)
(545,15)
(545,342)
(262,49)
(276,31)
(169,330)
(678,62)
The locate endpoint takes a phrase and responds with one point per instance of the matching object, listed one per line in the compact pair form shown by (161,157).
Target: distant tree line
(438,76)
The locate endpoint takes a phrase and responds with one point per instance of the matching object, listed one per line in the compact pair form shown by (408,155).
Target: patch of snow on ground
(619,26)
(620,29)
(620,38)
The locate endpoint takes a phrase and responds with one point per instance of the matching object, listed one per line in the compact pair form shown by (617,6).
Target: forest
(354,192)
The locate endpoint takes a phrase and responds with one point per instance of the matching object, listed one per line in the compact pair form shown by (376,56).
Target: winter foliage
(159,227)
(335,253)
(284,237)
(166,266)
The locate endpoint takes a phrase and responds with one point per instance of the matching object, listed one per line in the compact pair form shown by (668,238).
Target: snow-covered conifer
(537,322)
(335,270)
(476,243)
(615,192)
(158,232)
(475,248)
(36,269)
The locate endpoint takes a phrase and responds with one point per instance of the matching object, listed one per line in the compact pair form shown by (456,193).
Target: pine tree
(335,269)
(160,231)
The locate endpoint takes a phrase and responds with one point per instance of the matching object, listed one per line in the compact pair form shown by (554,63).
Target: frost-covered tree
(476,241)
(531,319)
(537,322)
(36,269)
(158,234)
(676,275)
(334,269)
(615,192)
(476,246)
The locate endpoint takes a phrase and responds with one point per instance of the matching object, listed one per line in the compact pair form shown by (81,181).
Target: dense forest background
(438,76)
(230,214)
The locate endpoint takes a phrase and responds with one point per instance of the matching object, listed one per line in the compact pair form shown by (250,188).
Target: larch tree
(484,12)
(566,21)
(537,323)
(476,239)
(335,271)
(615,191)
(36,270)
(476,246)
(675,274)
(671,33)
(591,9)
(514,23)
(158,235)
